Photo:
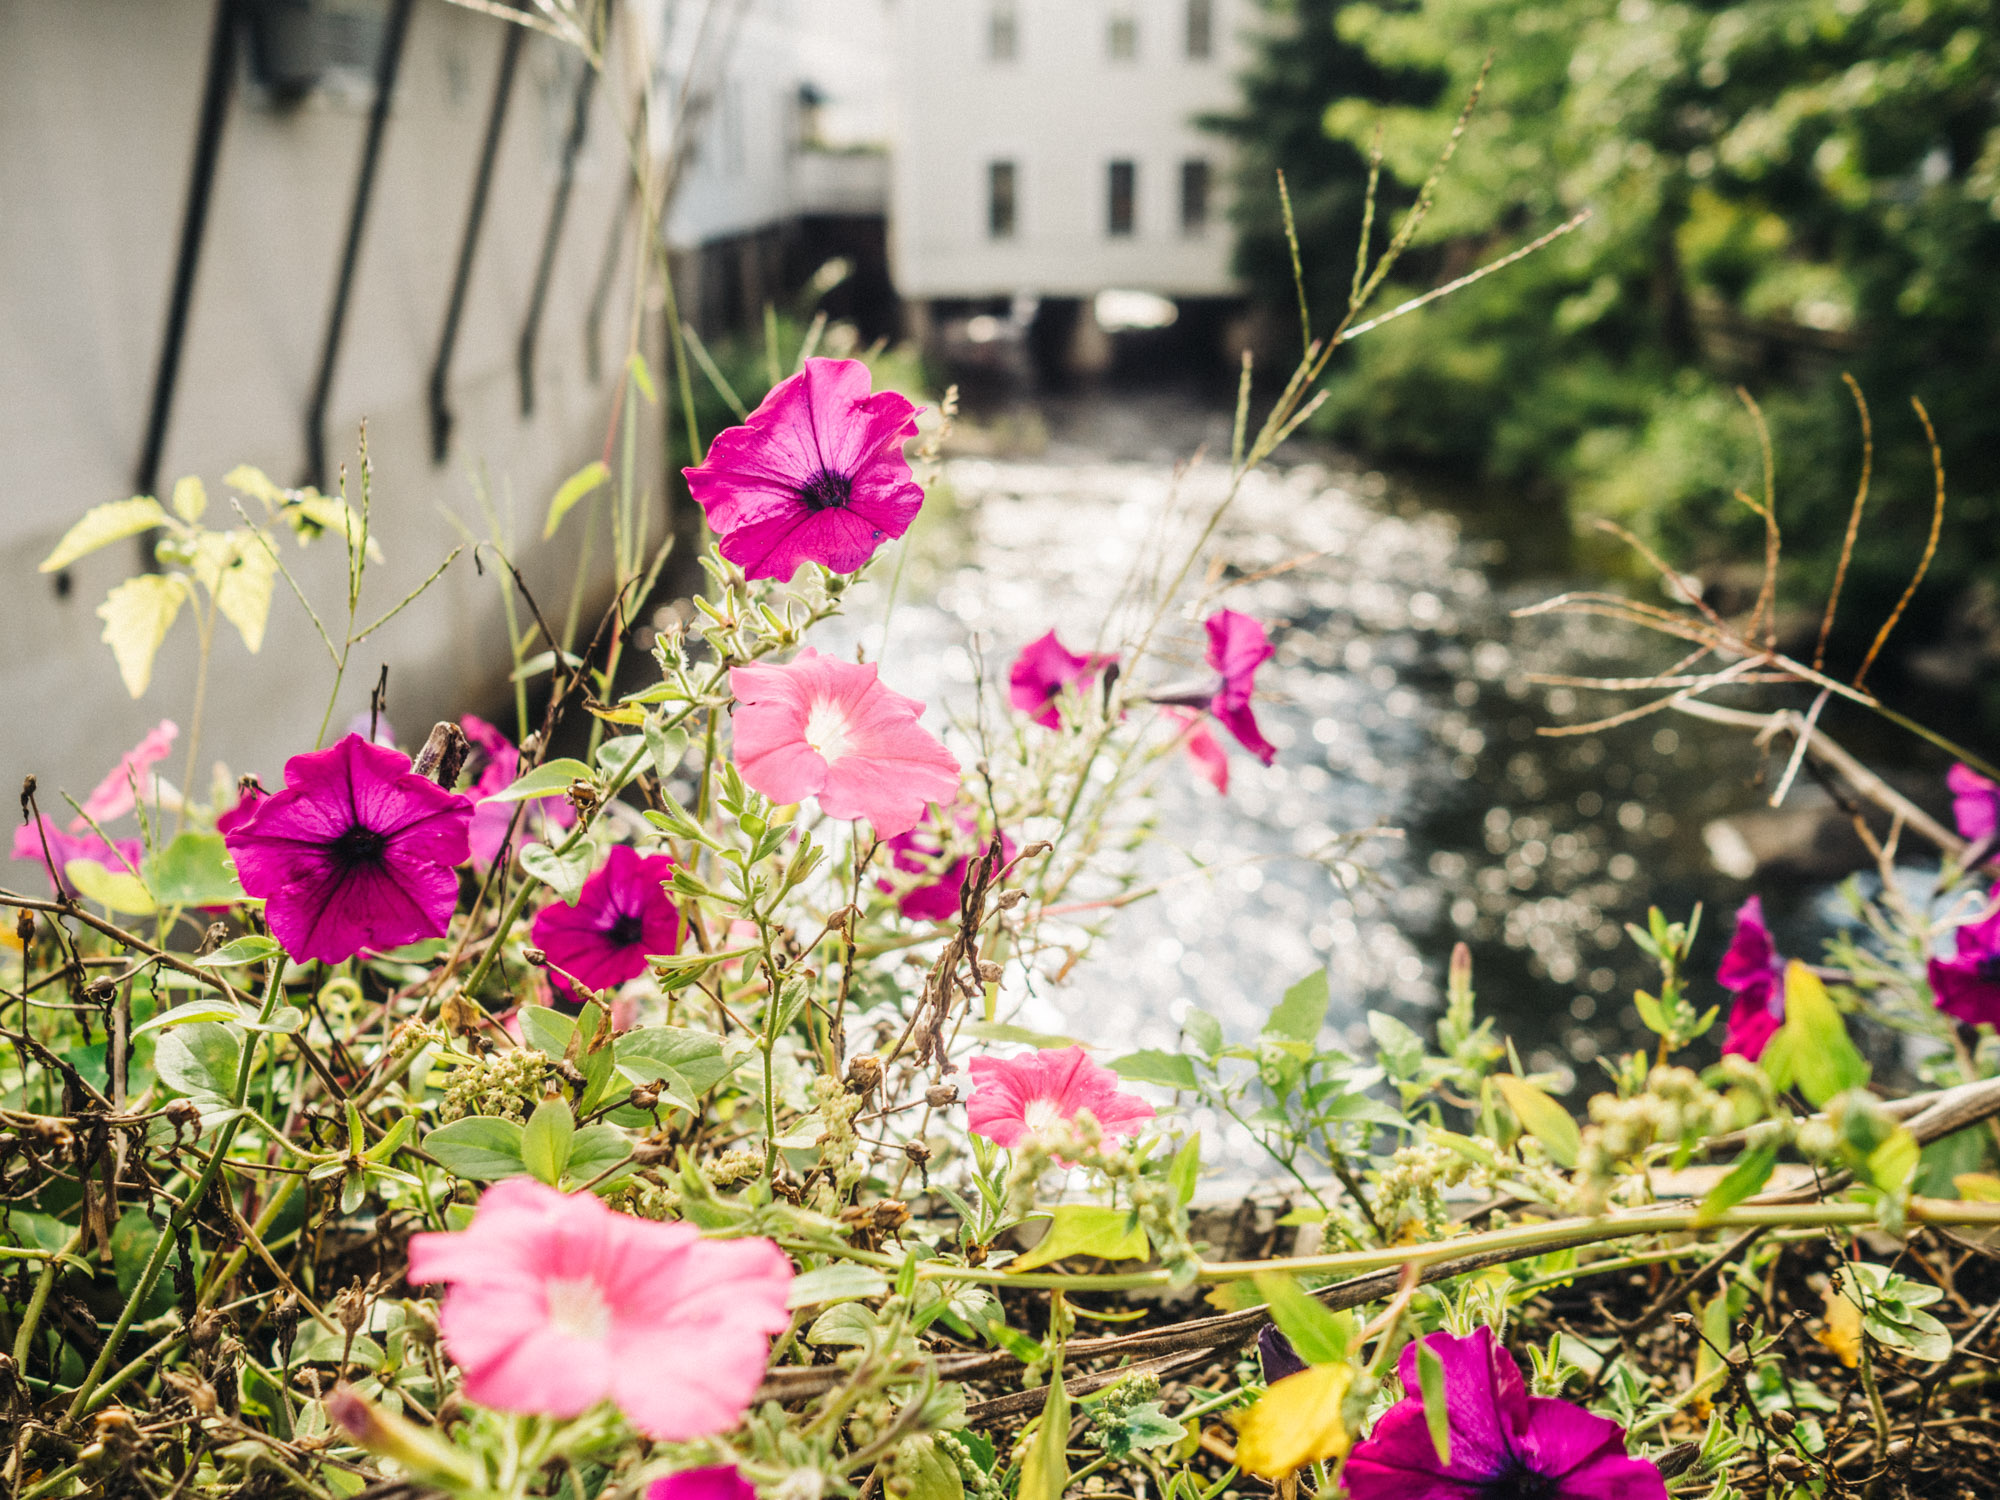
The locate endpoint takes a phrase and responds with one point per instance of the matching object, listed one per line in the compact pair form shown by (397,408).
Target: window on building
(1003,33)
(1122,201)
(1194,195)
(1001,210)
(1122,39)
(1200,29)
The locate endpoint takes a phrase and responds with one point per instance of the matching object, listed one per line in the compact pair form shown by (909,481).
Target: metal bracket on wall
(531,328)
(387,63)
(468,247)
(218,84)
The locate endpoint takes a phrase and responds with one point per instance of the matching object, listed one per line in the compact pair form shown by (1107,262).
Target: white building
(1049,147)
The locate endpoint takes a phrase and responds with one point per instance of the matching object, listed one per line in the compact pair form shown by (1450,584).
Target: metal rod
(387,63)
(531,328)
(468,247)
(216,90)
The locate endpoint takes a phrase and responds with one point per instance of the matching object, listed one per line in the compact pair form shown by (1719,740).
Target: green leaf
(1320,1337)
(642,376)
(1204,1031)
(694,1057)
(1171,1070)
(593,1150)
(206,1008)
(666,747)
(1139,1429)
(549,779)
(190,498)
(1891,1165)
(546,1141)
(849,1324)
(615,756)
(1437,1414)
(1299,1016)
(481,1147)
(1750,1172)
(931,1475)
(137,616)
(1401,1048)
(843,1281)
(1000,1031)
(253,949)
(194,870)
(1823,1061)
(1185,1171)
(562,873)
(1543,1118)
(114,890)
(101,526)
(202,1057)
(581,483)
(1044,1457)
(546,1029)
(1087,1229)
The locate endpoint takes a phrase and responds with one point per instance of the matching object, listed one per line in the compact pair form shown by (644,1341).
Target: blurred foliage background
(1781,191)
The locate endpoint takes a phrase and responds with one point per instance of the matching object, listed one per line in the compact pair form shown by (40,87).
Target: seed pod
(864,1074)
(989,972)
(941,1095)
(917,1152)
(644,1095)
(890,1213)
(534,958)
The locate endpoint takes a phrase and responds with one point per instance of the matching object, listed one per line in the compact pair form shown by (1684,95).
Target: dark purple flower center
(1988,968)
(1521,1483)
(626,931)
(361,847)
(825,490)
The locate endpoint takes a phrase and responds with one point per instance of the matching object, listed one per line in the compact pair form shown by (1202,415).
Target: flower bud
(422,1454)
(534,958)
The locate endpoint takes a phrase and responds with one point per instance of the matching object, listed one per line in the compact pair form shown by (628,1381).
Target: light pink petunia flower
(1018,1098)
(1203,748)
(556,1302)
(816,474)
(825,728)
(120,856)
(1975,803)
(1040,673)
(113,796)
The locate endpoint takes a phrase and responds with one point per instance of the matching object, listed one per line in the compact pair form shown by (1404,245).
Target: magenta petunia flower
(723,1482)
(1975,803)
(356,852)
(1753,972)
(621,918)
(120,856)
(820,727)
(1505,1444)
(1967,985)
(497,767)
(1018,1098)
(247,800)
(556,1302)
(1040,673)
(1237,647)
(816,474)
(113,796)
(1202,747)
(921,850)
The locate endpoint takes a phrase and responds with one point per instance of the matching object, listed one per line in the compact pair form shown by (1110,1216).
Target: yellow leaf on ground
(1842,1330)
(1295,1422)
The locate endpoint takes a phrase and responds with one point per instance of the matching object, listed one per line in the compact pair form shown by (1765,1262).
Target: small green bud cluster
(507,1085)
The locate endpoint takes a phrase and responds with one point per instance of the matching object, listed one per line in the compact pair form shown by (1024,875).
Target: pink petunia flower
(113,796)
(1019,1098)
(556,1302)
(1967,985)
(621,918)
(1504,1442)
(1975,803)
(1753,972)
(816,474)
(919,852)
(724,1482)
(1040,673)
(1203,748)
(120,856)
(498,767)
(820,727)
(356,852)
(1237,647)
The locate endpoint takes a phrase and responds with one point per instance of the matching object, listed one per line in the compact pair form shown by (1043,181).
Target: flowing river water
(1400,699)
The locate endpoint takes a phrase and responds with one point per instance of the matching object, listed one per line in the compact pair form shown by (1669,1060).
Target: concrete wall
(98,106)
(1061,109)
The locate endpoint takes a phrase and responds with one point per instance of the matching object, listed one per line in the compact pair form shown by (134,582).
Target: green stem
(24,1341)
(156,1262)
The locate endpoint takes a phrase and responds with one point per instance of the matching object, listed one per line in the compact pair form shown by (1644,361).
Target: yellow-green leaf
(1044,1462)
(115,890)
(190,498)
(1295,1422)
(101,526)
(137,616)
(1320,1337)
(255,483)
(1822,1060)
(574,488)
(1543,1118)
(1437,1414)
(1087,1229)
(238,569)
(1977,1187)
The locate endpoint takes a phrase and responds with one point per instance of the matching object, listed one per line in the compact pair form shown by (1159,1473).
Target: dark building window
(1000,200)
(1122,202)
(1194,195)
(1200,29)
(1121,41)
(1003,33)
